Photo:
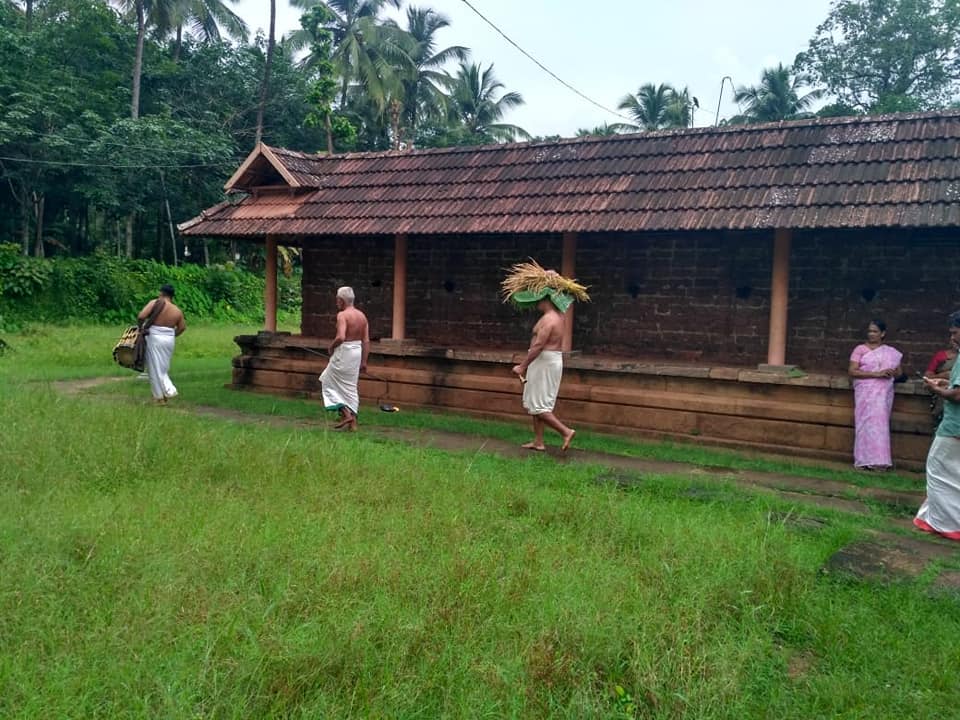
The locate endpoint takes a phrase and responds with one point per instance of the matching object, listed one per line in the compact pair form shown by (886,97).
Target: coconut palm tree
(267,66)
(28,13)
(206,19)
(476,104)
(680,107)
(140,9)
(157,12)
(779,96)
(163,14)
(605,130)
(422,93)
(361,42)
(204,16)
(658,106)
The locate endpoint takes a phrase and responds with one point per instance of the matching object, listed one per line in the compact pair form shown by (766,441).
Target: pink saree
(873,403)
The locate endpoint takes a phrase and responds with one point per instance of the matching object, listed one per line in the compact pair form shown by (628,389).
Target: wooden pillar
(399,287)
(568,268)
(270,288)
(779,289)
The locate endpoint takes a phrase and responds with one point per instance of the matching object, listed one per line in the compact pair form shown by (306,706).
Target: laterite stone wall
(687,297)
(365,264)
(453,286)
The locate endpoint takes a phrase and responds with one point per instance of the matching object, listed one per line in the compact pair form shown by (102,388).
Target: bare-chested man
(348,358)
(541,372)
(167,325)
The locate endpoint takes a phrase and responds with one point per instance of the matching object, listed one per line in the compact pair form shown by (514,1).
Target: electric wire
(544,67)
(144,166)
(109,140)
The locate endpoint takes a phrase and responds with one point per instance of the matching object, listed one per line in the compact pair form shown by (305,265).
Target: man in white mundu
(541,372)
(348,358)
(161,336)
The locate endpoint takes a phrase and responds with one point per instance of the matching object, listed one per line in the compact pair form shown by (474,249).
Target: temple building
(732,271)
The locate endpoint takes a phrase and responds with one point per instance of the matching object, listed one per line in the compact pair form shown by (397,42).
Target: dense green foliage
(79,173)
(120,118)
(888,55)
(160,564)
(102,288)
(84,169)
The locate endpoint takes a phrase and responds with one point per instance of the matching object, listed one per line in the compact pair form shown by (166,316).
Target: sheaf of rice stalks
(532,277)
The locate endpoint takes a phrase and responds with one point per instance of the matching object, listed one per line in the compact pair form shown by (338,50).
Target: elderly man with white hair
(348,358)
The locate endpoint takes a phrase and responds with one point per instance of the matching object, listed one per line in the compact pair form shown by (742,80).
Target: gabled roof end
(261,152)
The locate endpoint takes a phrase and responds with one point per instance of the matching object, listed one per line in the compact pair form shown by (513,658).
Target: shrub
(20,276)
(102,288)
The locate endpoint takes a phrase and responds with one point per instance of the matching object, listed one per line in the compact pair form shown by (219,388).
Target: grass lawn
(202,368)
(159,564)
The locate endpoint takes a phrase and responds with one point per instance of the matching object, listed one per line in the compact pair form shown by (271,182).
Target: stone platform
(809,415)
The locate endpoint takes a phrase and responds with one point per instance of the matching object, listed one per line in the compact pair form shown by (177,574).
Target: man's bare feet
(567,439)
(534,446)
(346,418)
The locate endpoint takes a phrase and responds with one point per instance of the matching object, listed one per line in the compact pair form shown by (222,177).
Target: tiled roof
(883,171)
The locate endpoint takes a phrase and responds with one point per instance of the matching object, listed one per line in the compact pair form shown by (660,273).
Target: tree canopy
(887,55)
(120,117)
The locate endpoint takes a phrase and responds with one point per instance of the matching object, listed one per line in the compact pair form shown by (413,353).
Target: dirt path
(75,387)
(887,555)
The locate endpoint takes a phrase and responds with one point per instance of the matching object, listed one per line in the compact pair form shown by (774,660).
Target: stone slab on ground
(800,664)
(824,501)
(889,556)
(874,561)
(946,583)
(927,547)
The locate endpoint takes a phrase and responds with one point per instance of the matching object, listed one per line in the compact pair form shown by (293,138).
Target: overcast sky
(692,43)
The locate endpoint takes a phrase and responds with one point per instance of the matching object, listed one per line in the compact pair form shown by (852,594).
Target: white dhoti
(339,379)
(940,512)
(160,344)
(543,382)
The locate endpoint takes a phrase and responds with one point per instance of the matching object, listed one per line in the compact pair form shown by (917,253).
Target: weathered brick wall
(674,296)
(365,264)
(697,297)
(453,289)
(707,296)
(453,286)
(839,281)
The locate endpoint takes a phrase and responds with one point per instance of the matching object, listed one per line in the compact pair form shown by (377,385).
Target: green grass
(202,368)
(157,564)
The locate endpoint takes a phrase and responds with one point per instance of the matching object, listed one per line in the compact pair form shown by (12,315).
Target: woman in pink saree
(873,367)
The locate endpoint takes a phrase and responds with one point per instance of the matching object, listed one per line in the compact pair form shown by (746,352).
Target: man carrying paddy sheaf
(541,371)
(348,358)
